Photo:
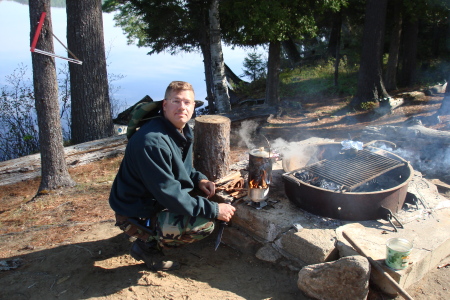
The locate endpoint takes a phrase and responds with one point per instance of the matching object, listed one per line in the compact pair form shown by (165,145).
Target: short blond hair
(178,86)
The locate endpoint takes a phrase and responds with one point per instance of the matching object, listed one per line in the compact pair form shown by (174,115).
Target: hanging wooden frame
(35,40)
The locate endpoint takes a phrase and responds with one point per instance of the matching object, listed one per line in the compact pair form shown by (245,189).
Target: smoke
(433,162)
(247,134)
(296,155)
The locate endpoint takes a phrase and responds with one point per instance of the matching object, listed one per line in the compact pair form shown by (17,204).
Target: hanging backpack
(141,113)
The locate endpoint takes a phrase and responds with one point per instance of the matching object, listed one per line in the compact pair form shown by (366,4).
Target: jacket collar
(176,135)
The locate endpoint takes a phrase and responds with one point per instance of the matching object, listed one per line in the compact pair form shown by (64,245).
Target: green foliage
(254,66)
(307,83)
(254,22)
(433,71)
(314,82)
(171,26)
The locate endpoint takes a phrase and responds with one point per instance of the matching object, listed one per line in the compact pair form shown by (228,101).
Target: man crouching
(153,192)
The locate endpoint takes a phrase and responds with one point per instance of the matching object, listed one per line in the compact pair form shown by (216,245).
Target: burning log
(259,174)
(259,169)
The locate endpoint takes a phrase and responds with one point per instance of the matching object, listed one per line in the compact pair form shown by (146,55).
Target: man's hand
(226,212)
(208,187)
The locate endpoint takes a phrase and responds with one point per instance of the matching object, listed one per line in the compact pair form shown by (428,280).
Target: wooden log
(212,145)
(416,134)
(228,178)
(29,167)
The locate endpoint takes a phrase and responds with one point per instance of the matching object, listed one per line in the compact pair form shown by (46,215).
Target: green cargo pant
(167,229)
(173,230)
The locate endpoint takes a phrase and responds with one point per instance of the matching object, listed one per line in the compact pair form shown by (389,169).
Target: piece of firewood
(228,178)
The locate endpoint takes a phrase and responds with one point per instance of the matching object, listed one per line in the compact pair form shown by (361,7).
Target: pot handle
(267,144)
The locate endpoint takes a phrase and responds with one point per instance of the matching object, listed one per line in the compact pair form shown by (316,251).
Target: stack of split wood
(233,185)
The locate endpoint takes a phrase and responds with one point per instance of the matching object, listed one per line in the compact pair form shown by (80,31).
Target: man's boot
(152,256)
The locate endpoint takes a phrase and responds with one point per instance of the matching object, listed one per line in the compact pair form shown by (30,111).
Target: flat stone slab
(430,236)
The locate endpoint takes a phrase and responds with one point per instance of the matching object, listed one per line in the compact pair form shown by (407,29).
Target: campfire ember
(259,174)
(256,184)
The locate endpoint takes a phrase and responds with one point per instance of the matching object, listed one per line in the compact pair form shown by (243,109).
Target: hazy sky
(144,74)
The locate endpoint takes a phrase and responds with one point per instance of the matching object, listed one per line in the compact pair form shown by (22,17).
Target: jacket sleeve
(167,179)
(196,176)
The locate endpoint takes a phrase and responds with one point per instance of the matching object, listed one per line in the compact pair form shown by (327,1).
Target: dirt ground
(63,245)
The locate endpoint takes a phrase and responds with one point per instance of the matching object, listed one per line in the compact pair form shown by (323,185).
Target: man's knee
(191,229)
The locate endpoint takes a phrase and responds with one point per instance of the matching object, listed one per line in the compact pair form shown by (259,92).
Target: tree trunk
(409,57)
(208,71)
(370,82)
(292,52)
(335,34)
(91,109)
(212,146)
(273,74)
(336,37)
(394,48)
(222,99)
(54,168)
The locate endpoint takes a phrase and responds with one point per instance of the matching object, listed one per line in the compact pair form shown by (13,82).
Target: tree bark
(292,52)
(335,34)
(208,77)
(54,170)
(394,48)
(212,146)
(336,37)
(409,57)
(273,74)
(91,109)
(370,82)
(222,98)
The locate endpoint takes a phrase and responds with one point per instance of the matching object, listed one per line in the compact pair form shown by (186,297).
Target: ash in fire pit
(312,179)
(355,186)
(380,183)
(348,170)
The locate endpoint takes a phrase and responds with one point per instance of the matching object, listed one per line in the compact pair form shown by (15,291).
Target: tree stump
(212,145)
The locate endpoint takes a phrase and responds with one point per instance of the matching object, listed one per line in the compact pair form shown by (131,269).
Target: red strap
(38,31)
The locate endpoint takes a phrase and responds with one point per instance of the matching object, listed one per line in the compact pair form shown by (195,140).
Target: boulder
(346,279)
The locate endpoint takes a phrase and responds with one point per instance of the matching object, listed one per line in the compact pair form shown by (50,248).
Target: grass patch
(317,81)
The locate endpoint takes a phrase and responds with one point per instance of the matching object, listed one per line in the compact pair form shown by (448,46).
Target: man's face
(179,107)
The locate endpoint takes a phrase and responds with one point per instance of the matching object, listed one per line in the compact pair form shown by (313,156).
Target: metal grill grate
(353,171)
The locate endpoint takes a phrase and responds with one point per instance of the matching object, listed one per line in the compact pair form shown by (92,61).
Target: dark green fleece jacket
(157,172)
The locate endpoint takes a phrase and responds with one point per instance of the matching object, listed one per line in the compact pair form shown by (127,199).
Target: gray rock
(267,253)
(346,279)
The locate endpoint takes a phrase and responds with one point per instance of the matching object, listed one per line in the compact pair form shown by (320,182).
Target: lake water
(144,74)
